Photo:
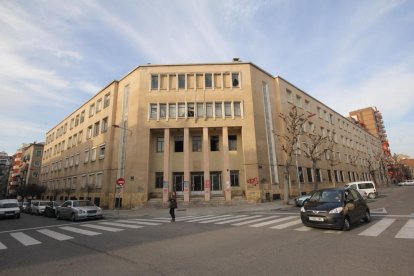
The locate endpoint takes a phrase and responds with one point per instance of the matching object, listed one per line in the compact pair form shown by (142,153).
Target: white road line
(377,228)
(154,220)
(272,221)
(24,239)
(286,225)
(207,218)
(2,246)
(407,232)
(237,219)
(80,231)
(133,221)
(337,232)
(55,235)
(253,221)
(221,219)
(303,229)
(122,225)
(100,227)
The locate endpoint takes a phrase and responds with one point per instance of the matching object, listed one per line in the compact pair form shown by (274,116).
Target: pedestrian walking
(173,205)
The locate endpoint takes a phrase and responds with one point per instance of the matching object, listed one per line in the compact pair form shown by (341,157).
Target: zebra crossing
(65,232)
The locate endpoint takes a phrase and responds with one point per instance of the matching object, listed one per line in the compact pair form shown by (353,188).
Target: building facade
(5,165)
(200,130)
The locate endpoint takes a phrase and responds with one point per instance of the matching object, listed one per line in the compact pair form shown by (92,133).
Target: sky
(349,54)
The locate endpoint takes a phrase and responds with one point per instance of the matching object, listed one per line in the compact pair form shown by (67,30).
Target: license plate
(315,219)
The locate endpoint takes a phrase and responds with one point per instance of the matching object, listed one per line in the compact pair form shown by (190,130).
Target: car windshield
(327,196)
(82,203)
(8,205)
(43,203)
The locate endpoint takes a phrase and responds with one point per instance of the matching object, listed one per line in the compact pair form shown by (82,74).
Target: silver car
(77,210)
(301,200)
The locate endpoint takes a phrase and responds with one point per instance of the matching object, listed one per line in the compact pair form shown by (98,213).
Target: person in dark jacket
(173,205)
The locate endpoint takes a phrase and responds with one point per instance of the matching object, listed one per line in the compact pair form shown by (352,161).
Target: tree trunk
(286,186)
(315,183)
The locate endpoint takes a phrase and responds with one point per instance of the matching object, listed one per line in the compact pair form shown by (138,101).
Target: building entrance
(178,183)
(197,183)
(215,178)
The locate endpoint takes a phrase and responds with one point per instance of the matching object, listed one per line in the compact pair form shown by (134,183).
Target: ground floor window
(97,201)
(309,173)
(234,178)
(159,178)
(197,181)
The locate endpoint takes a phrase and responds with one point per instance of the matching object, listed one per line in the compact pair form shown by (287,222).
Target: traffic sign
(120,181)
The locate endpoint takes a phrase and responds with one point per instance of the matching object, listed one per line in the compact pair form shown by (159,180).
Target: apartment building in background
(204,131)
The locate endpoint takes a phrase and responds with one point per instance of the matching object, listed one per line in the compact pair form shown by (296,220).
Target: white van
(9,208)
(365,188)
(38,206)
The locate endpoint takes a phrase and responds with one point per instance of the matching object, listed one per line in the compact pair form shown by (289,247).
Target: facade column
(187,188)
(166,183)
(206,165)
(226,164)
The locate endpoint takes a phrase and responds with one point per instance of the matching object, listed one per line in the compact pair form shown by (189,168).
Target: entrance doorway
(178,183)
(215,178)
(197,183)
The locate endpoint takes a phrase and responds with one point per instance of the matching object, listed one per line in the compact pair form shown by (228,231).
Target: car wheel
(371,196)
(58,216)
(73,217)
(367,217)
(347,224)
(17,216)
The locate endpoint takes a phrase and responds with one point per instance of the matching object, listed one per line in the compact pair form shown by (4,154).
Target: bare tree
(294,122)
(315,148)
(333,161)
(372,167)
(383,161)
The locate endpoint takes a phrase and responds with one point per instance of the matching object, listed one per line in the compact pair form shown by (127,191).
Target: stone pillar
(166,183)
(187,187)
(206,164)
(226,164)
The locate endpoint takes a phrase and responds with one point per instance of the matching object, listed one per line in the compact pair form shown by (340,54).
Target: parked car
(9,208)
(336,208)
(50,210)
(406,183)
(77,210)
(25,205)
(300,200)
(37,206)
(365,188)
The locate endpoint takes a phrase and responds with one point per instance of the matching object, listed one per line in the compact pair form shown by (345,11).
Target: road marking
(133,221)
(379,211)
(221,219)
(337,232)
(254,220)
(272,221)
(237,219)
(154,220)
(377,228)
(303,229)
(24,239)
(179,219)
(122,225)
(105,228)
(407,232)
(207,218)
(80,231)
(2,246)
(55,235)
(286,225)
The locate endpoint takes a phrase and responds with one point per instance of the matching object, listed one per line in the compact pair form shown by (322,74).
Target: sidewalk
(199,210)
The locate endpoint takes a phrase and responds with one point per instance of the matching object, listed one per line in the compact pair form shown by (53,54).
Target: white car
(9,208)
(77,210)
(406,183)
(365,188)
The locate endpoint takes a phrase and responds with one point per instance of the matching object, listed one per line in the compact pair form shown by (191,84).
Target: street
(266,242)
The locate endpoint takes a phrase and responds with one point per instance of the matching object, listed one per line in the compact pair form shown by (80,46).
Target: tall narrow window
(181,110)
(102,151)
(196,143)
(178,144)
(160,144)
(181,81)
(214,143)
(209,110)
(233,142)
(107,100)
(154,82)
(309,173)
(218,110)
(208,80)
(235,79)
(163,110)
(237,109)
(200,110)
(153,111)
(190,110)
(104,127)
(159,179)
(172,110)
(96,129)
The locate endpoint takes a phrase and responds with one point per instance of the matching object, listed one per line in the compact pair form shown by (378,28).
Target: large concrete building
(202,130)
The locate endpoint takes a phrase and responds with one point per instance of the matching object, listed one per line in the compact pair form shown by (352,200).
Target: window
(309,173)
(107,100)
(86,160)
(80,136)
(71,161)
(172,110)
(298,101)
(98,183)
(77,120)
(197,143)
(301,177)
(66,162)
(69,142)
(307,105)
(77,157)
(208,80)
(227,109)
(153,111)
(104,127)
(235,79)
(234,178)
(102,151)
(72,123)
(289,95)
(83,181)
(178,144)
(96,129)
(237,110)
(190,110)
(218,109)
(82,117)
(214,143)
(181,110)
(160,144)
(159,179)
(320,112)
(232,142)
(98,105)
(91,110)
(89,132)
(181,81)
(209,110)
(93,154)
(154,82)
(163,110)
(91,180)
(318,175)
(200,110)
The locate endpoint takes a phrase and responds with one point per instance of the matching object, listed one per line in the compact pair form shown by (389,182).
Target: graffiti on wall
(253,181)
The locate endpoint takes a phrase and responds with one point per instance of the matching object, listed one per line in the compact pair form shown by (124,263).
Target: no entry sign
(120,181)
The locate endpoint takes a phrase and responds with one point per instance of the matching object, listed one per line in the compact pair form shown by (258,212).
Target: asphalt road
(267,242)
